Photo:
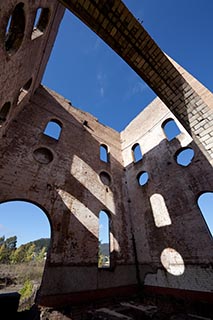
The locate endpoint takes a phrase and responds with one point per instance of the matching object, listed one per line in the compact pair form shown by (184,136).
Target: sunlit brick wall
(113,22)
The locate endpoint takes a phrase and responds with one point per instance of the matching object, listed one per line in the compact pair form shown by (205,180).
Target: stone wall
(158,236)
(25,46)
(165,214)
(115,24)
(63,177)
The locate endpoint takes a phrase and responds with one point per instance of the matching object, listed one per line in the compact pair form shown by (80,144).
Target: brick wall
(24,50)
(113,22)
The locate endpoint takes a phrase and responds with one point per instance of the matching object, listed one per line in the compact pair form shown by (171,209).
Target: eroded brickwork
(113,22)
(24,50)
(164,211)
(68,188)
(158,236)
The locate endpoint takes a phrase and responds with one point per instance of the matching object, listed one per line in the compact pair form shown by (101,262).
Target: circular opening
(14,32)
(143,178)
(105,178)
(43,155)
(184,156)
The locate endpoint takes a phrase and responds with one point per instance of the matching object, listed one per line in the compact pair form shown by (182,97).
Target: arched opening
(40,23)
(184,156)
(53,129)
(136,152)
(205,203)
(170,129)
(104,155)
(4,112)
(14,32)
(24,90)
(104,240)
(24,242)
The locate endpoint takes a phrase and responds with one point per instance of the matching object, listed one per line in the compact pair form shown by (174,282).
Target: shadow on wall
(169,229)
(193,113)
(63,177)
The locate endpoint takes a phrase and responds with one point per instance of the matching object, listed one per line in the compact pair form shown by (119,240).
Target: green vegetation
(27,290)
(103,255)
(21,268)
(31,251)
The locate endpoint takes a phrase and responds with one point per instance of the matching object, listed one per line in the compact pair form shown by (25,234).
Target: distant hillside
(45,242)
(104,248)
(40,243)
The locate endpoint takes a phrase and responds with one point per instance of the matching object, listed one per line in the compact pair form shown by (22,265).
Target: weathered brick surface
(179,188)
(29,61)
(122,31)
(70,192)
(63,177)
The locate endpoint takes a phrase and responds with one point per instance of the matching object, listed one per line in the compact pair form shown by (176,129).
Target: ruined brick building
(158,237)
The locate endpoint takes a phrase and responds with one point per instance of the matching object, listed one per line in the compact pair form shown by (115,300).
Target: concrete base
(78,298)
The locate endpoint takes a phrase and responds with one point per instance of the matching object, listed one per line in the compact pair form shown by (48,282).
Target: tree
(2,239)
(24,253)
(18,255)
(4,254)
(29,252)
(41,255)
(7,247)
(11,242)
(100,256)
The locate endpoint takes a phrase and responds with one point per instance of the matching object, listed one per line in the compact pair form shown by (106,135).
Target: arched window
(24,242)
(205,203)
(14,32)
(104,240)
(170,129)
(4,112)
(136,152)
(104,155)
(40,23)
(53,129)
(24,90)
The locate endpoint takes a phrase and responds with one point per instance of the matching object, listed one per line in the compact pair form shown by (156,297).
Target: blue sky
(86,71)
(96,80)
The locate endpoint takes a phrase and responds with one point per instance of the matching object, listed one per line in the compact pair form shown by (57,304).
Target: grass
(21,272)
(24,278)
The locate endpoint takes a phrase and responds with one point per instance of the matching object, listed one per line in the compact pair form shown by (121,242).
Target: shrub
(27,290)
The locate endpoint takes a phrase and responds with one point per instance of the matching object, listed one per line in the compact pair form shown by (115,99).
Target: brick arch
(116,25)
(35,203)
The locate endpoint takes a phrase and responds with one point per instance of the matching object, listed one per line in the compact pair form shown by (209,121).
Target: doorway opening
(24,243)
